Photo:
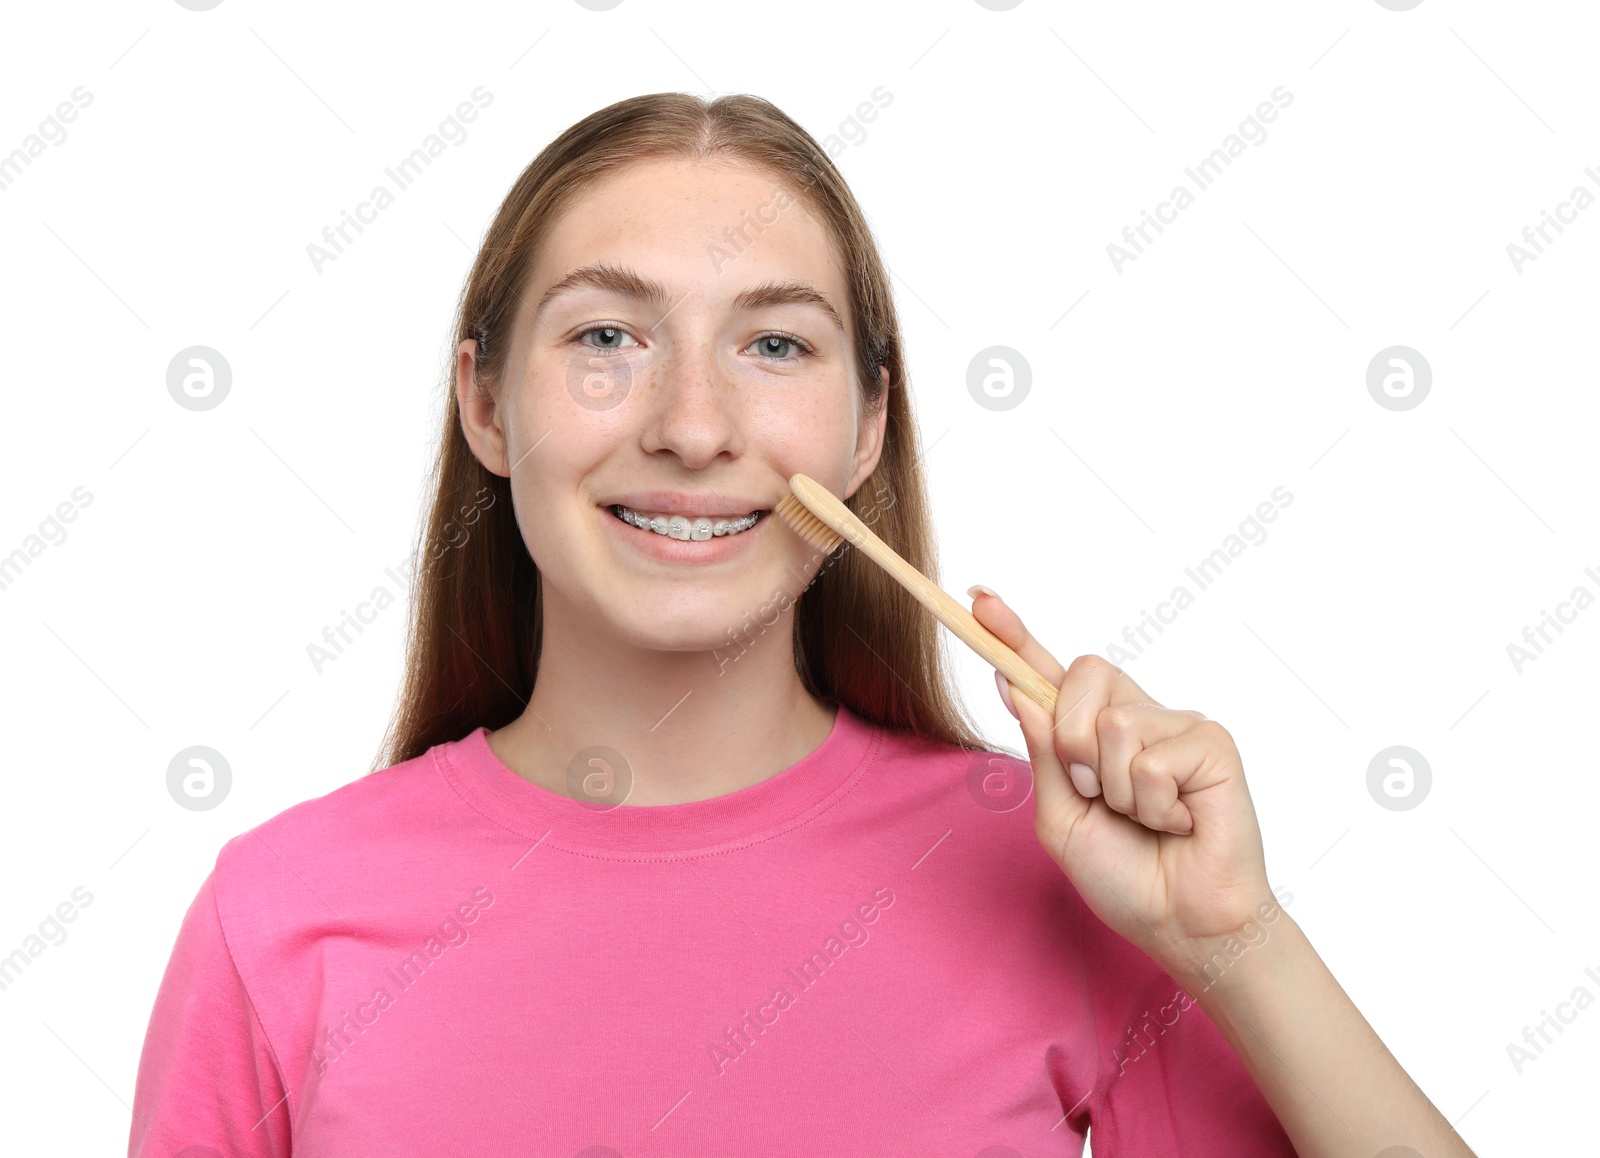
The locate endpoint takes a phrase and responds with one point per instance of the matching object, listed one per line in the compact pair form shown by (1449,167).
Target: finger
(1084,779)
(1082,776)
(1005,694)
(1158,802)
(1058,806)
(1180,771)
(1123,731)
(994,613)
(1090,685)
(1098,684)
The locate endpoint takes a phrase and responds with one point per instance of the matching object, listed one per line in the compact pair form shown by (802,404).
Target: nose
(693,408)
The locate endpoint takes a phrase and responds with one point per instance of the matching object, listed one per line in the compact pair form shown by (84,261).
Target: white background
(1227,360)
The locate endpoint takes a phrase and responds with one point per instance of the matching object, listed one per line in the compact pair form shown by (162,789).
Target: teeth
(686,526)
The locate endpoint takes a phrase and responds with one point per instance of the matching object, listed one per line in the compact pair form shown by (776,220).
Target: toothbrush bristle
(805,524)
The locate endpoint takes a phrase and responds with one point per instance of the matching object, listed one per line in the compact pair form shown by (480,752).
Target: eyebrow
(624,282)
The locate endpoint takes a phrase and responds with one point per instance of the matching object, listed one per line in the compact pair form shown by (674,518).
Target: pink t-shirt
(868,953)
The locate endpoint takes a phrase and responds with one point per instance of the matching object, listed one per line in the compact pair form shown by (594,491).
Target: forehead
(711,229)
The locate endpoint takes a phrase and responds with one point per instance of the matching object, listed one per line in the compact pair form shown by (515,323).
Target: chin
(692,633)
(716,616)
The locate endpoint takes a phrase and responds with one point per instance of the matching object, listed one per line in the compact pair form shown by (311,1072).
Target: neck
(691,725)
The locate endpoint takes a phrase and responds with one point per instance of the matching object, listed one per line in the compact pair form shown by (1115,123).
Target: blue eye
(608,335)
(766,342)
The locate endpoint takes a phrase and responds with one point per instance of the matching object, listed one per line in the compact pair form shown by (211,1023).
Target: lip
(706,505)
(666,549)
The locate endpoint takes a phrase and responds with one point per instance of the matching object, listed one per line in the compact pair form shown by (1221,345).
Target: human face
(699,400)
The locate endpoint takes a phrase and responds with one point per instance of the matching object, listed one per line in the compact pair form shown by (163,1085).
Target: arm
(1334,1087)
(1146,811)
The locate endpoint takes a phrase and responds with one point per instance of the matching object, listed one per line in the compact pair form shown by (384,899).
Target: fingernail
(1084,780)
(1005,695)
(978,588)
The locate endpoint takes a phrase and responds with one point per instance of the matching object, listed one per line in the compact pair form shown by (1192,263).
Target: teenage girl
(682,843)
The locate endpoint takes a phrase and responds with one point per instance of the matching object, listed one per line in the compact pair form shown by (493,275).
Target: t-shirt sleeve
(1170,1082)
(207,1074)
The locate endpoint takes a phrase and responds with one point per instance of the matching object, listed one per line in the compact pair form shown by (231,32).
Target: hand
(1143,807)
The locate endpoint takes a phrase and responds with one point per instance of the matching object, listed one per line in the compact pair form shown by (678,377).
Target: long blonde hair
(472,651)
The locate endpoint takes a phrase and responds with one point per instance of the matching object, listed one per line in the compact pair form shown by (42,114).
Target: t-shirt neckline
(785,800)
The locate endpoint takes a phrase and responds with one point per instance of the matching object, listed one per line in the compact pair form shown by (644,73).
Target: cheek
(808,427)
(567,422)
(814,440)
(557,444)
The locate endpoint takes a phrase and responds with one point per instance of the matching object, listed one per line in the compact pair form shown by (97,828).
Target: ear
(869,440)
(481,418)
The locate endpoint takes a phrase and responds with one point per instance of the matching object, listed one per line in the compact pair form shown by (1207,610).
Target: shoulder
(369,801)
(313,854)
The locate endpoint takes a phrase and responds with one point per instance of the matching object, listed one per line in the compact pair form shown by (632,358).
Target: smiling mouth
(687,527)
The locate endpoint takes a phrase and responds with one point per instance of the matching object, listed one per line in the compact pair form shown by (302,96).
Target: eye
(769,345)
(608,334)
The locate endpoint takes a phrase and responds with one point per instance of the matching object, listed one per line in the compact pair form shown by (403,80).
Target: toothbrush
(818,517)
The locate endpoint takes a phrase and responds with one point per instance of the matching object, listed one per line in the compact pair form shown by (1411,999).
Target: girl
(682,843)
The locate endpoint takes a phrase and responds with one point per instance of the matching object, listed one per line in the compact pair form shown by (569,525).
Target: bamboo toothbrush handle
(954,616)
